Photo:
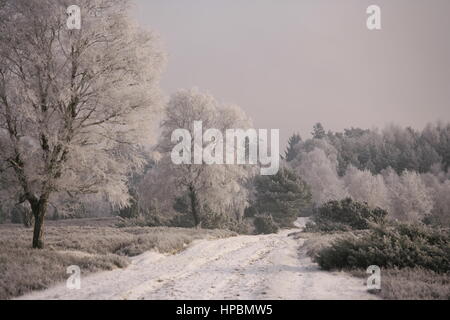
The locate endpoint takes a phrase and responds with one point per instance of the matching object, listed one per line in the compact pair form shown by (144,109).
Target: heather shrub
(400,246)
(265,225)
(213,220)
(345,215)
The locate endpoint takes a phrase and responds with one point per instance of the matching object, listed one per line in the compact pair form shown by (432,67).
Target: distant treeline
(395,147)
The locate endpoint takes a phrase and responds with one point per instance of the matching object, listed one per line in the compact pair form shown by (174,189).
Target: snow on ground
(242,267)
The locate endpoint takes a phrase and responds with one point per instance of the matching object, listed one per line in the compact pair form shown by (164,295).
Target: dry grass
(92,248)
(411,284)
(414,284)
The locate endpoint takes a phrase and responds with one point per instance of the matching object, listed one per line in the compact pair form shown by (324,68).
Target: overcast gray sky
(292,63)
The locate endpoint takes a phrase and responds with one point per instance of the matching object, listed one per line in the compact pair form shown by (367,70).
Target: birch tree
(74,104)
(439,185)
(411,199)
(319,171)
(218,188)
(363,186)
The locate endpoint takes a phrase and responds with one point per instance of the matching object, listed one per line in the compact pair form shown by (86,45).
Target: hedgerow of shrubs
(345,215)
(398,246)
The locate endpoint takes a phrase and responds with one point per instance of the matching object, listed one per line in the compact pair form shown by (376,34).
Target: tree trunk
(39,209)
(194,205)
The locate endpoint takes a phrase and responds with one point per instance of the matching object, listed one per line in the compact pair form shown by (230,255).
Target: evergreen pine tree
(291,151)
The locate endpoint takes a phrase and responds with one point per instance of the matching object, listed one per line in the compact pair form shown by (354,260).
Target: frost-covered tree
(74,104)
(411,200)
(438,183)
(203,188)
(441,209)
(304,147)
(363,186)
(437,136)
(394,146)
(319,171)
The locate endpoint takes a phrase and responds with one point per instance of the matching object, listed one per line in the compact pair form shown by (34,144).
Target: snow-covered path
(242,267)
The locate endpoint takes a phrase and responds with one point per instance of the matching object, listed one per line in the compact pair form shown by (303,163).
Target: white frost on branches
(75,105)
